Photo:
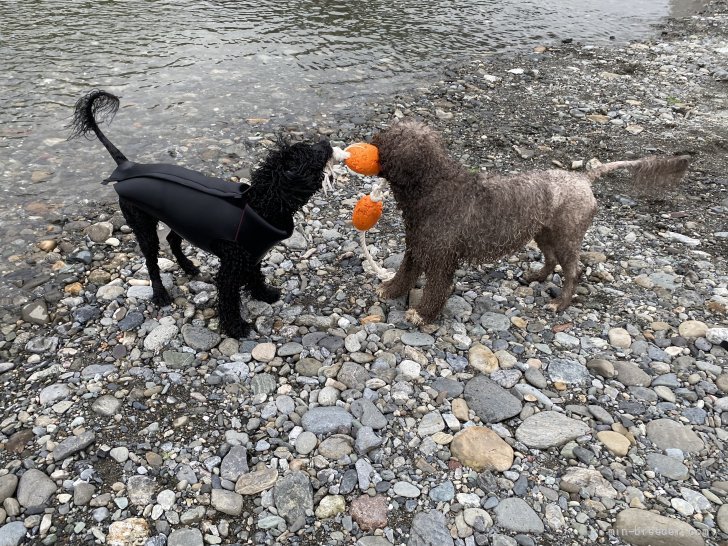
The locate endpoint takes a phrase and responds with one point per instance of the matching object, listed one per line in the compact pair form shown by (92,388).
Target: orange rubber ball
(366,213)
(364,158)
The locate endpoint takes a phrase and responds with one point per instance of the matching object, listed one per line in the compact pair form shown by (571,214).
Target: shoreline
(339,423)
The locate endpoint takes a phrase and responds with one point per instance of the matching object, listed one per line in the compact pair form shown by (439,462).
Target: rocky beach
(336,422)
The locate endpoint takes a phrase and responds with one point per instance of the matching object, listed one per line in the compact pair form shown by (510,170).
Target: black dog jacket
(199,208)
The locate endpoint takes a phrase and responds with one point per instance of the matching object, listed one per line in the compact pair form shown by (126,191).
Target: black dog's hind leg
(235,265)
(175,244)
(259,289)
(144,227)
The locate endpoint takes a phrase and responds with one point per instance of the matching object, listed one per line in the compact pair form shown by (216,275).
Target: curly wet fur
(453,216)
(280,186)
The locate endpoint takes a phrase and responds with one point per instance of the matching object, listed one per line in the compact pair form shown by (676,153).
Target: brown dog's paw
(558,305)
(413,317)
(385,291)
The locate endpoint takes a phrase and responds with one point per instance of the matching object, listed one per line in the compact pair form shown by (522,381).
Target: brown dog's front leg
(434,296)
(400,284)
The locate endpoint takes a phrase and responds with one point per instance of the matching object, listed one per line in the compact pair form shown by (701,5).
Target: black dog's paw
(161,298)
(268,294)
(236,329)
(191,270)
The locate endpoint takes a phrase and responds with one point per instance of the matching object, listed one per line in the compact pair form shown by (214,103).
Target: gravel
(336,422)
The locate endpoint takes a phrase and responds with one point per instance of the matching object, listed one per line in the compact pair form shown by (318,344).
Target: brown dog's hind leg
(543,240)
(403,281)
(144,227)
(569,260)
(175,245)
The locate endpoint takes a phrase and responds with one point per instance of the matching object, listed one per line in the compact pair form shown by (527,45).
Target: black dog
(236,222)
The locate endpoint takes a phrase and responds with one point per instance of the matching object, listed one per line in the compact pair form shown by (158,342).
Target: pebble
(337,421)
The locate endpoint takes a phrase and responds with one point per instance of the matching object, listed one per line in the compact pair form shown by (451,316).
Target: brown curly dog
(453,216)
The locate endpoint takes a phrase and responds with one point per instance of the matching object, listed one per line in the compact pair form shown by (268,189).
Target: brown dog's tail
(649,172)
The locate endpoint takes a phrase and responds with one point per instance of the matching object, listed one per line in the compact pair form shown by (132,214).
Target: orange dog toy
(363,158)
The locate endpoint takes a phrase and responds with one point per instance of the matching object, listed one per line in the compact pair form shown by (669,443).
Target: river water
(197,71)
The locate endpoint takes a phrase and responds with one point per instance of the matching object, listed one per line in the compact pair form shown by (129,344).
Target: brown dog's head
(409,151)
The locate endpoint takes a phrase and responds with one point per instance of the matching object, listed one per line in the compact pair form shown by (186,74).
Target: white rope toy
(377,194)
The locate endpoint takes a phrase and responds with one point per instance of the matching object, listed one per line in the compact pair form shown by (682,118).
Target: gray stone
(417,339)
(200,338)
(495,321)
(666,433)
(53,393)
(82,493)
(568,371)
(516,515)
(429,529)
(306,442)
(646,528)
(308,367)
(450,386)
(8,484)
(234,464)
(177,360)
(406,489)
(12,534)
(140,292)
(430,424)
(327,420)
(444,492)
(35,488)
(549,429)
(227,502)
(373,540)
(72,445)
(293,496)
(97,370)
(140,490)
(366,440)
(722,518)
(353,375)
(667,466)
(35,313)
(630,374)
(489,401)
(185,537)
(106,405)
(160,337)
(290,349)
(263,383)
(368,414)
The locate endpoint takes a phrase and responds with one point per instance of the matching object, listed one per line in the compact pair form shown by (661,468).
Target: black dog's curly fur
(286,180)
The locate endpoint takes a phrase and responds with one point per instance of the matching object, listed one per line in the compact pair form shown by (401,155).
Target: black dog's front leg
(235,270)
(258,288)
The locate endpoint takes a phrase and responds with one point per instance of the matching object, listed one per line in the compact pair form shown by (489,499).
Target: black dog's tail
(649,173)
(96,104)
